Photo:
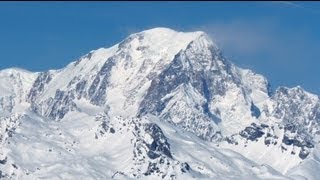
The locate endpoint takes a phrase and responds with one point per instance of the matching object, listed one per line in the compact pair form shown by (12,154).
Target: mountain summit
(160,104)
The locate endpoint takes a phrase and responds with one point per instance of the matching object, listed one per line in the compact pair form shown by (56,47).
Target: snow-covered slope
(97,147)
(159,104)
(14,85)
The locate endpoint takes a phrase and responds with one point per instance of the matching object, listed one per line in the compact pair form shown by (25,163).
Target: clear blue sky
(280,40)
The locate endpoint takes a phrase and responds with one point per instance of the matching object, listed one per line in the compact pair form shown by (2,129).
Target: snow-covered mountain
(160,104)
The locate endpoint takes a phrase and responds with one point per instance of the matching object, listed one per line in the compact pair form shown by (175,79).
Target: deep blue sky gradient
(280,40)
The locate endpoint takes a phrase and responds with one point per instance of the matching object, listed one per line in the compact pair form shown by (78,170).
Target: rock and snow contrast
(160,104)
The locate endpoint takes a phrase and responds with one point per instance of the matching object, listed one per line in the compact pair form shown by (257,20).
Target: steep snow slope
(161,103)
(14,85)
(308,168)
